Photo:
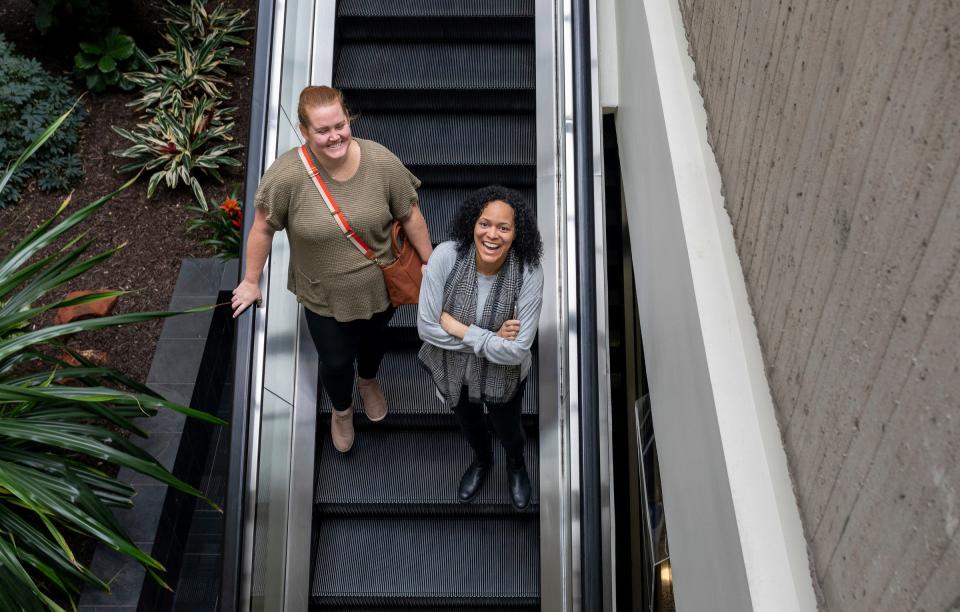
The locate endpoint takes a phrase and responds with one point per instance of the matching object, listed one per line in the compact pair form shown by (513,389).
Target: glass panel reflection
(658,574)
(269,552)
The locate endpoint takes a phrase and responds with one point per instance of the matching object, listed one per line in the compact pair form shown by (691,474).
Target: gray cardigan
(483,342)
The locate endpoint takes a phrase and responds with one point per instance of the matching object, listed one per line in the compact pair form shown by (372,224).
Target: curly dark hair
(526,243)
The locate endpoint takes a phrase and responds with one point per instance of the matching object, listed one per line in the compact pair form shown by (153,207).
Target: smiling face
(493,233)
(328,133)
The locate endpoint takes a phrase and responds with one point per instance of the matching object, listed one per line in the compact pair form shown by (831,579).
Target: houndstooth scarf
(495,383)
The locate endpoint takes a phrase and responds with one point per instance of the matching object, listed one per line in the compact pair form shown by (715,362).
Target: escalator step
(465,147)
(459,100)
(432,8)
(406,316)
(410,391)
(458,176)
(500,607)
(409,472)
(439,206)
(428,28)
(457,71)
(461,20)
(421,563)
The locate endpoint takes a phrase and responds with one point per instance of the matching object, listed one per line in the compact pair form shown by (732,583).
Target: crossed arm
(508,346)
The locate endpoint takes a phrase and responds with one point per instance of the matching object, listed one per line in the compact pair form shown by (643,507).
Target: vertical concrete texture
(836,127)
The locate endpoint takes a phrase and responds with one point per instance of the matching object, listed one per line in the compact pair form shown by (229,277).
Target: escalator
(466,93)
(449,88)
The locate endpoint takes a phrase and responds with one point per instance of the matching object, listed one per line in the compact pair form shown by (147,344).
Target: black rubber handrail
(237,470)
(591,545)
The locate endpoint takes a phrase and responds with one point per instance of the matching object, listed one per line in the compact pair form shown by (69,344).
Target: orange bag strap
(306,156)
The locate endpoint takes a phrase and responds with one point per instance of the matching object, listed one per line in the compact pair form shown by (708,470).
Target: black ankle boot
(519,483)
(473,478)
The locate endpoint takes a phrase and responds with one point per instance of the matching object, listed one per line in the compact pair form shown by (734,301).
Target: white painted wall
(606,13)
(735,536)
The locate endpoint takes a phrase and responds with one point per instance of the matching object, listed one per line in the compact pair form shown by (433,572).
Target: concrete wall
(836,127)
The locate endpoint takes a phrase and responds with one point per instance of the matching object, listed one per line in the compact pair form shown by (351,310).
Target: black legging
(340,344)
(505,418)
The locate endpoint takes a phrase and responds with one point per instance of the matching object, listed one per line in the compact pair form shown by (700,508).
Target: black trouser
(505,419)
(340,344)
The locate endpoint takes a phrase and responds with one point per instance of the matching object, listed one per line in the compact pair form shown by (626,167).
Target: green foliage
(224,225)
(176,147)
(80,16)
(197,23)
(30,99)
(102,61)
(189,70)
(186,126)
(58,420)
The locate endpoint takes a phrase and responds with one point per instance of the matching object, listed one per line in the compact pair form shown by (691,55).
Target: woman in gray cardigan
(479,307)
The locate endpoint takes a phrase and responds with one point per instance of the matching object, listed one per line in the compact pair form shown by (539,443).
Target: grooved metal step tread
(421,563)
(455,140)
(437,28)
(500,607)
(428,67)
(432,8)
(441,101)
(405,317)
(410,391)
(410,472)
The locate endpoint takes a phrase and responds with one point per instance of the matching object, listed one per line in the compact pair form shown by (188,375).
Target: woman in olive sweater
(343,293)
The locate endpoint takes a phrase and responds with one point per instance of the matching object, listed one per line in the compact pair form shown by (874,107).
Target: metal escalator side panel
(273,456)
(555,531)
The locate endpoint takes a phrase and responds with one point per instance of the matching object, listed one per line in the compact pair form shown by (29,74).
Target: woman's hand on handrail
(246,294)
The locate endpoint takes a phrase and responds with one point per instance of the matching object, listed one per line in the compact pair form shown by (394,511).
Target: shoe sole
(519,508)
(377,420)
(469,499)
(369,418)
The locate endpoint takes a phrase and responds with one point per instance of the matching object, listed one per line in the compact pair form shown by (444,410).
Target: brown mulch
(154,231)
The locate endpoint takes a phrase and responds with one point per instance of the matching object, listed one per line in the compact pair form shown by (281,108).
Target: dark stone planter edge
(190,345)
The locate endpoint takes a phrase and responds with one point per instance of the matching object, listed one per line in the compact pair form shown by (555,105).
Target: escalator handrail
(591,545)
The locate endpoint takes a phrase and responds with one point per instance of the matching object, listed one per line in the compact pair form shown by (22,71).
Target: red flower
(230,206)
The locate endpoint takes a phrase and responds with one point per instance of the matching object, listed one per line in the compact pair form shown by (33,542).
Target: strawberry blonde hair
(320,95)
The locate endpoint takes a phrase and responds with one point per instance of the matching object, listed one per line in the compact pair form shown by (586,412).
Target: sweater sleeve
(492,347)
(273,193)
(431,299)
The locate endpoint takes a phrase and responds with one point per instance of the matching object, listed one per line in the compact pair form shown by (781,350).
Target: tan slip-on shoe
(341,429)
(374,403)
